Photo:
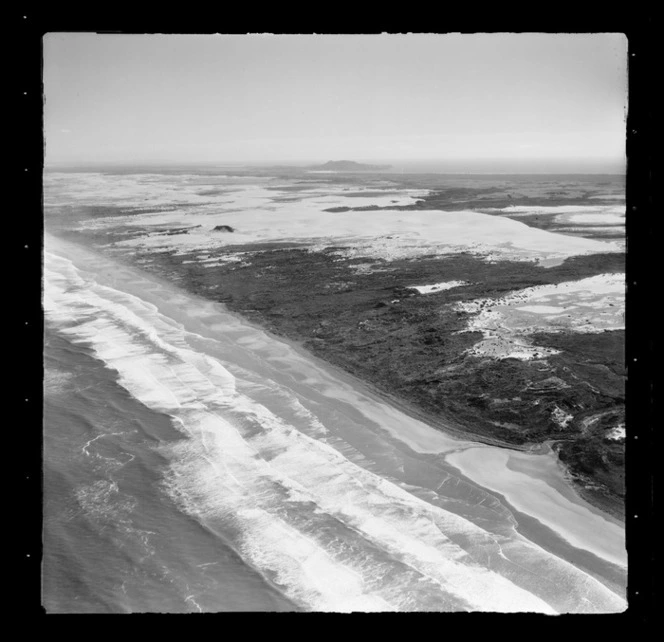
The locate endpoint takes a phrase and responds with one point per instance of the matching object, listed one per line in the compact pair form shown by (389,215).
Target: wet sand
(533,484)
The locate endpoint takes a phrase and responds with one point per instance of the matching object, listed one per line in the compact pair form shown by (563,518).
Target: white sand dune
(593,219)
(572,214)
(598,210)
(589,305)
(258,216)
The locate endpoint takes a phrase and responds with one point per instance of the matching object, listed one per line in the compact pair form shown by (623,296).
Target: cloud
(66,131)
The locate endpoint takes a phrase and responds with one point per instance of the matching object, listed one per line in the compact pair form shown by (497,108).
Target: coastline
(426,443)
(583,486)
(258,316)
(442,425)
(528,525)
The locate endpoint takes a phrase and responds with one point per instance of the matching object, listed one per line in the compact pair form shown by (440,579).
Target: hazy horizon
(434,166)
(556,100)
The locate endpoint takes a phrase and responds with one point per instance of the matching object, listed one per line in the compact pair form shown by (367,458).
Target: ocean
(194,463)
(114,542)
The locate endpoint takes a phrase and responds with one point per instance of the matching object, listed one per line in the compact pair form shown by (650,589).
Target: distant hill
(347,166)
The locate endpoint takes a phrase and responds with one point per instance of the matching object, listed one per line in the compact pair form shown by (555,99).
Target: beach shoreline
(342,354)
(445,426)
(395,421)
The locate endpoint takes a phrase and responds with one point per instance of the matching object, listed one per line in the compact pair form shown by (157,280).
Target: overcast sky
(238,98)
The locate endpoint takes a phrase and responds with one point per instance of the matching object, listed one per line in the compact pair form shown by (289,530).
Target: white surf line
(190,598)
(109,434)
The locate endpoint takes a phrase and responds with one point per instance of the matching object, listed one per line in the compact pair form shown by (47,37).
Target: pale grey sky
(240,98)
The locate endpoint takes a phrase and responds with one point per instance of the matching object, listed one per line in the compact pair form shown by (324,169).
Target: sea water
(113,539)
